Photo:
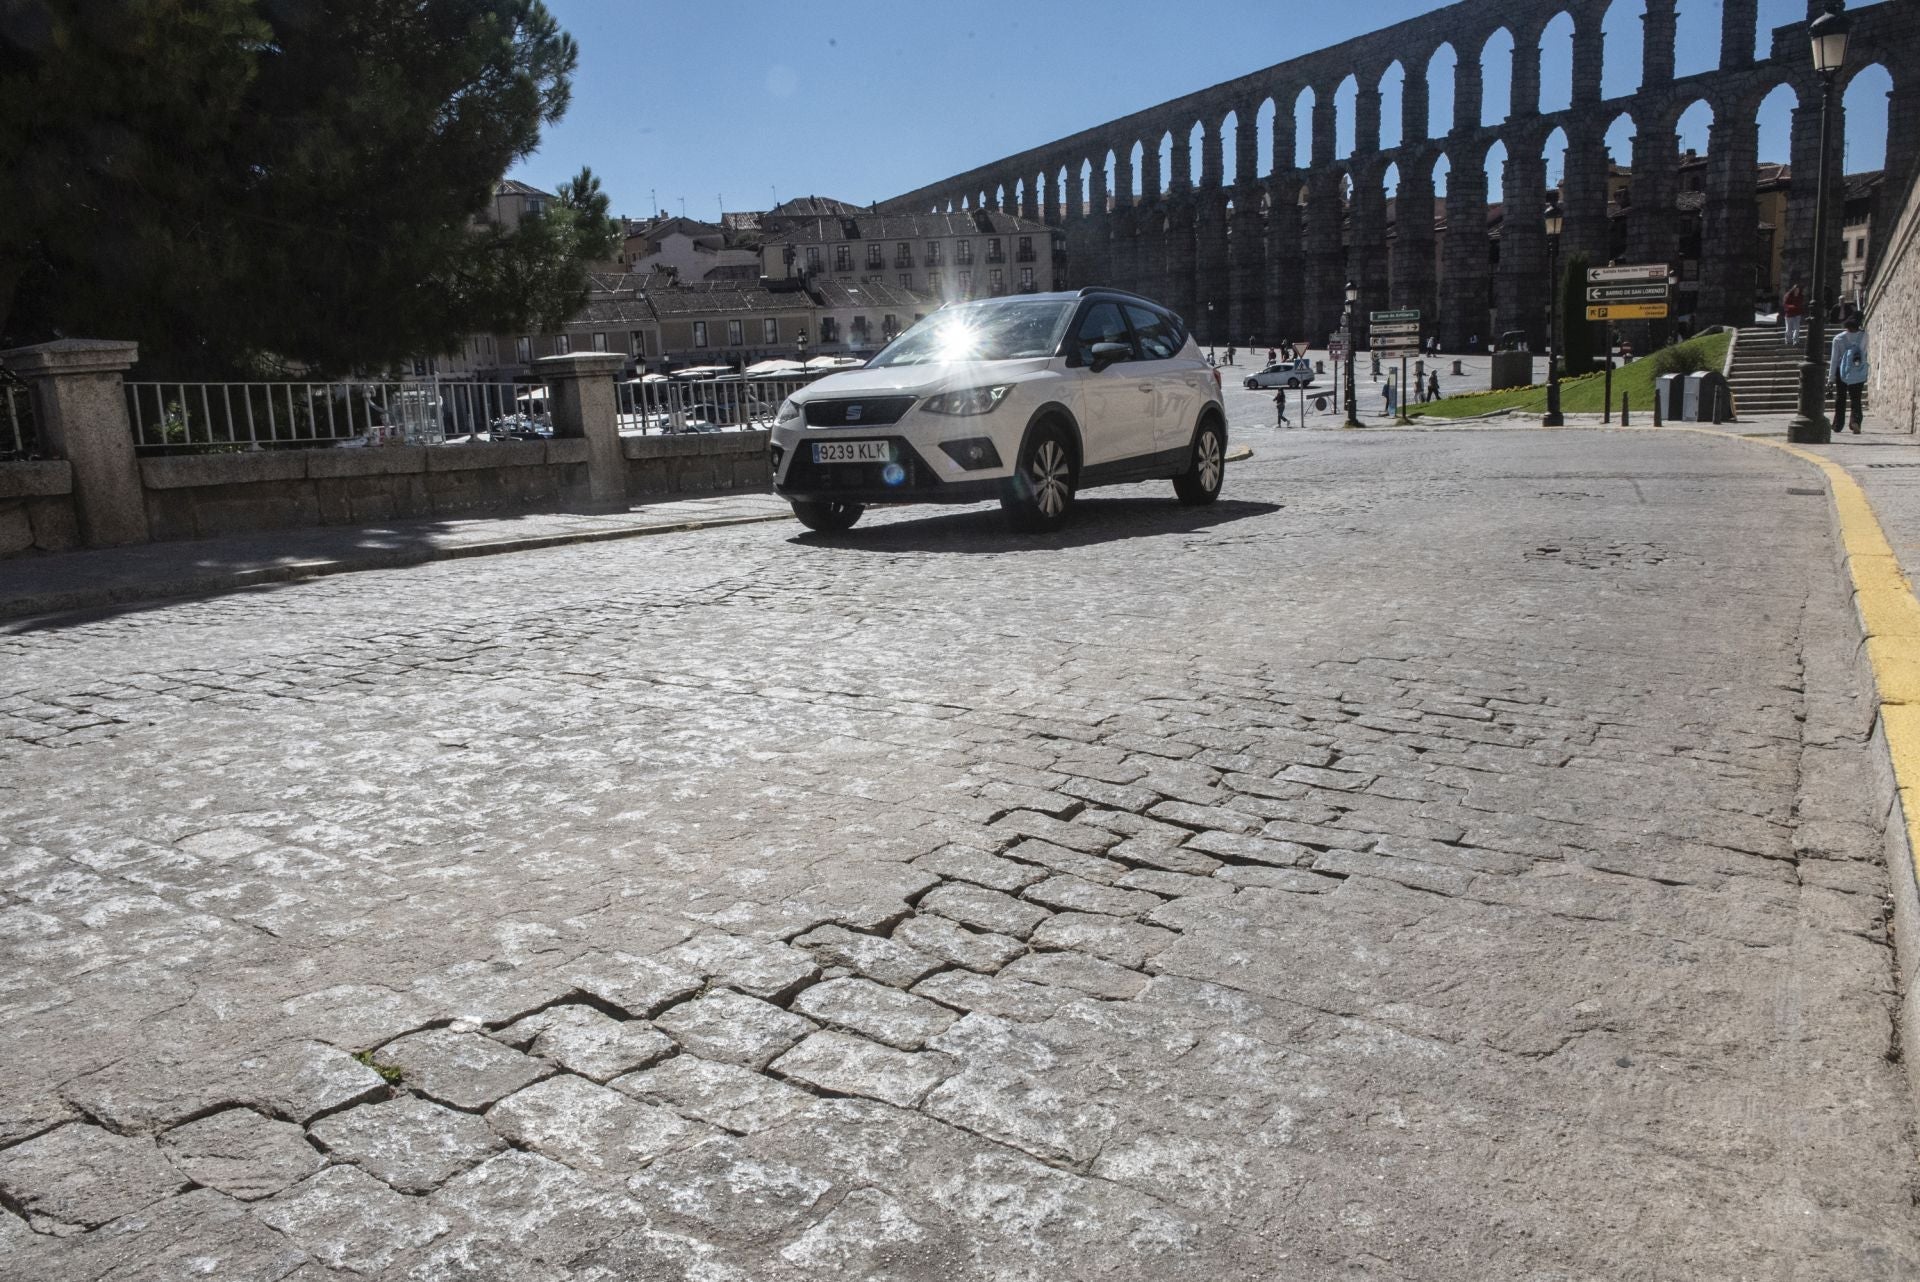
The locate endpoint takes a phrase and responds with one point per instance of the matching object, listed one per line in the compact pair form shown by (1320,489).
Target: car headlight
(789,412)
(971,400)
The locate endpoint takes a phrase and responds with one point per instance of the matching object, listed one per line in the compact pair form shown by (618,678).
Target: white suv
(1027,399)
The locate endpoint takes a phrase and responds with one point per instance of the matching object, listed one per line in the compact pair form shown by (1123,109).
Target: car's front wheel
(1200,483)
(826,517)
(1039,495)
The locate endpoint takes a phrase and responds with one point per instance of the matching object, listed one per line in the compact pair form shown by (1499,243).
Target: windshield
(996,331)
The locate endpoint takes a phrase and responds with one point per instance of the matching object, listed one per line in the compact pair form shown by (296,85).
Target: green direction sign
(1404,314)
(1643,293)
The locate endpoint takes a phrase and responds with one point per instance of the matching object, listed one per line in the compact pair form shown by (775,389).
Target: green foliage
(1586,395)
(237,184)
(1577,332)
(1689,357)
(387,1071)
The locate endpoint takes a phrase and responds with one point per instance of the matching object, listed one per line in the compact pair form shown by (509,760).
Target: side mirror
(1105,354)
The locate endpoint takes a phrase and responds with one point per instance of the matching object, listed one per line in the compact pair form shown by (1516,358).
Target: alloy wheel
(1050,473)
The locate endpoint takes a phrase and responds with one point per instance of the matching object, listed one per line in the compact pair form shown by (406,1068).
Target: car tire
(826,517)
(1207,468)
(1039,495)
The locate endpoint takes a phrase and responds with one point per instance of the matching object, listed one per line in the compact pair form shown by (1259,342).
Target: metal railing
(18,440)
(703,405)
(221,417)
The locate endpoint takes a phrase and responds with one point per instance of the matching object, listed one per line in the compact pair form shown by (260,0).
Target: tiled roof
(979,222)
(514,187)
(868,294)
(813,207)
(724,297)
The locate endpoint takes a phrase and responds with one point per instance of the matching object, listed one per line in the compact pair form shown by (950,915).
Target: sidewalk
(118,576)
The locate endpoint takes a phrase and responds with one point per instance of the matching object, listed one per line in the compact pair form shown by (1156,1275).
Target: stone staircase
(1766,372)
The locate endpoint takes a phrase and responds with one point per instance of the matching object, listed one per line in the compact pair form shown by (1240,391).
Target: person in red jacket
(1792,308)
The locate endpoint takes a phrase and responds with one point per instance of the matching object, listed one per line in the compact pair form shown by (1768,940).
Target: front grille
(872,411)
(808,477)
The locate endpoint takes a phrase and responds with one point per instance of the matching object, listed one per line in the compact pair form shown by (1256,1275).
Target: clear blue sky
(862,102)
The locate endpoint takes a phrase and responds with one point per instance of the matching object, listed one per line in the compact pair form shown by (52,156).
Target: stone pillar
(1521,289)
(1413,249)
(1589,50)
(1730,226)
(1122,269)
(1180,288)
(1247,262)
(1182,175)
(1324,123)
(1465,280)
(1526,74)
(1323,284)
(1468,89)
(1651,225)
(1656,44)
(1738,20)
(1796,258)
(1246,144)
(580,390)
(1367,222)
(1584,192)
(80,413)
(1903,139)
(1366,121)
(1413,107)
(1286,258)
(1213,284)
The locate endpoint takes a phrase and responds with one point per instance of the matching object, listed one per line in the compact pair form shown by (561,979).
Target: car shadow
(1098,520)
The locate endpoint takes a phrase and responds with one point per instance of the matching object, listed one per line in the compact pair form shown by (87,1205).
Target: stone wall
(1893,323)
(36,508)
(658,465)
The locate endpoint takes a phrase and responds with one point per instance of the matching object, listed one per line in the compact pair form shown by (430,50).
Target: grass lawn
(1582,395)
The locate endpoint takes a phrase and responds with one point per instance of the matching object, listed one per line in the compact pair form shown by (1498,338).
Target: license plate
(852,452)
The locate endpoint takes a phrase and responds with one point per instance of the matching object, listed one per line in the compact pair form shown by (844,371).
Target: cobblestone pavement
(1448,857)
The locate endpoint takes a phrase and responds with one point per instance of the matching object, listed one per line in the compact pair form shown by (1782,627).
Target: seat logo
(853,413)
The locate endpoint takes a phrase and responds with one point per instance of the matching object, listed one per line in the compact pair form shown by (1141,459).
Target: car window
(1159,336)
(987,331)
(1103,323)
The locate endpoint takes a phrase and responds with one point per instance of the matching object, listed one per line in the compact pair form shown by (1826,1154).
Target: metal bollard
(1626,410)
(1656,409)
(1719,407)
(1457,371)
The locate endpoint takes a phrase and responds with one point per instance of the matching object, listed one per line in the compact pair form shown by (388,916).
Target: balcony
(996,258)
(1024,256)
(903,260)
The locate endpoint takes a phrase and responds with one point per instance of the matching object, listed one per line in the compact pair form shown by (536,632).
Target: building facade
(948,257)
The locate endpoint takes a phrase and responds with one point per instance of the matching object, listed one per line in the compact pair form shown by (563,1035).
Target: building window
(769,331)
(995,254)
(1026,278)
(859,331)
(963,252)
(889,326)
(599,342)
(563,346)
(966,284)
(699,333)
(842,258)
(736,333)
(419,367)
(813,258)
(1860,247)
(906,280)
(637,343)
(523,349)
(829,330)
(903,255)
(1026,249)
(875,257)
(996,281)
(933,253)
(536,207)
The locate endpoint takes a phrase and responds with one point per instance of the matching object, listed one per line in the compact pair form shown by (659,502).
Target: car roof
(1072,295)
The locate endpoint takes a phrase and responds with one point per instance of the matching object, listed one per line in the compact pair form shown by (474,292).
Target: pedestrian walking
(1848,370)
(1280,407)
(1272,356)
(1433,386)
(1230,351)
(1388,392)
(1473,342)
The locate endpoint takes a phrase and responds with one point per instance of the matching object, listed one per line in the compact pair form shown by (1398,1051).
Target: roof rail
(1085,290)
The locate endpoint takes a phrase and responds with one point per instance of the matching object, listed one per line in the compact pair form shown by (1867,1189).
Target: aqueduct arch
(1271,248)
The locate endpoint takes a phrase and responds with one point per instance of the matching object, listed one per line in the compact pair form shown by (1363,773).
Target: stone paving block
(978,1039)
(408,1143)
(1071,894)
(1112,771)
(992,995)
(1204,818)
(1153,852)
(346,1219)
(489,992)
(590,1128)
(462,1070)
(982,869)
(1240,848)
(720,1188)
(1008,796)
(1024,1111)
(584,1041)
(860,1237)
(358,1016)
(544,1208)
(1025,823)
(1172,885)
(1089,975)
(1126,943)
(875,1011)
(848,1065)
(1407,872)
(889,961)
(724,1095)
(756,967)
(952,944)
(733,1028)
(298,1081)
(1309,834)
(241,1153)
(1059,859)
(198,1235)
(987,910)
(30,1112)
(81,1176)
(1298,880)
(640,986)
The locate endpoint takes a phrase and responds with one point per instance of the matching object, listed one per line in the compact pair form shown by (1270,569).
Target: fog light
(893,474)
(973,453)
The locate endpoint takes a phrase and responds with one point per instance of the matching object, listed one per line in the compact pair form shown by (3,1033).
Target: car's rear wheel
(1039,495)
(826,517)
(1200,483)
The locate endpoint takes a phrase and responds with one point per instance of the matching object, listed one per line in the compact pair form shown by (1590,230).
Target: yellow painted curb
(1890,616)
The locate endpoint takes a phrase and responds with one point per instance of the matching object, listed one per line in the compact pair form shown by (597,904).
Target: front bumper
(907,478)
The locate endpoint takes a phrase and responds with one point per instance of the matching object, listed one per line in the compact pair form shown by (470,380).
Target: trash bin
(1457,371)
(1668,390)
(1690,399)
(1716,398)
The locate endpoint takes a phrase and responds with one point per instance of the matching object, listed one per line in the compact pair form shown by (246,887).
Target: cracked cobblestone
(1335,880)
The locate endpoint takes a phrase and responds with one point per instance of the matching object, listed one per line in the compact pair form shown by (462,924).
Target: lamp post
(1352,314)
(800,347)
(1210,341)
(1828,36)
(1555,222)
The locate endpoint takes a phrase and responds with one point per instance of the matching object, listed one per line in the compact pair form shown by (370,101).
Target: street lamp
(1210,339)
(800,347)
(1555,222)
(1828,36)
(1353,313)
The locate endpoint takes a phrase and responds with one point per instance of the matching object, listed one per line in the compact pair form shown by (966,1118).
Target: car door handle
(1146,387)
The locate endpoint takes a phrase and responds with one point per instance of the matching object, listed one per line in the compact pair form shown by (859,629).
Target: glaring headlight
(972,400)
(789,411)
